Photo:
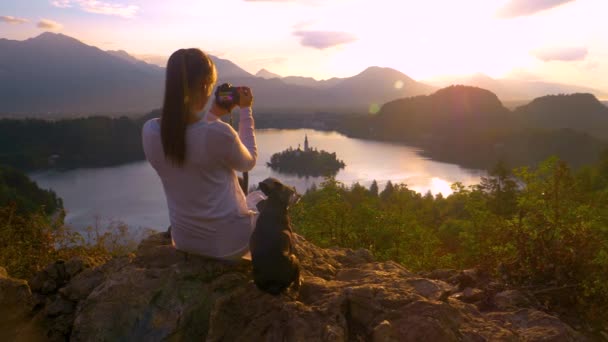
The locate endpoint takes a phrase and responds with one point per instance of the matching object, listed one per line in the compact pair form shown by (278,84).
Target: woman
(197,160)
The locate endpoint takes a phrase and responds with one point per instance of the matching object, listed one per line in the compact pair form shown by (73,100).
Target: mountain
(228,70)
(374,85)
(54,73)
(122,54)
(263,73)
(377,85)
(509,90)
(454,112)
(581,112)
(470,126)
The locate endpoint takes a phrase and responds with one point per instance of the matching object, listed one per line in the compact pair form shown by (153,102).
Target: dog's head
(275,190)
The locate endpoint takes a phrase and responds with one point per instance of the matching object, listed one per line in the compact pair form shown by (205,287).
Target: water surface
(133,194)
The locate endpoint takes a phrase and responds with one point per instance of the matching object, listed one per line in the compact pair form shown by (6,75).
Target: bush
(538,228)
(29,242)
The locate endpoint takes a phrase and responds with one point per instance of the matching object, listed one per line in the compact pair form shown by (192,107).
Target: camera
(227,96)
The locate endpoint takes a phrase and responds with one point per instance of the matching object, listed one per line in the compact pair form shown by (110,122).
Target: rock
(15,305)
(382,332)
(163,294)
(3,273)
(470,295)
(510,299)
(431,289)
(76,265)
(441,274)
(533,325)
(59,306)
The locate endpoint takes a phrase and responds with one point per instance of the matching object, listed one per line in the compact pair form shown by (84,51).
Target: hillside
(580,112)
(18,190)
(450,112)
(470,126)
(161,293)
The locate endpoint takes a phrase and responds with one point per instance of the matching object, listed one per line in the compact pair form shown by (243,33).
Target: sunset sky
(562,41)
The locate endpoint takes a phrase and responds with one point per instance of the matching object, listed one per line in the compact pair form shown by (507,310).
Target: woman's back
(207,208)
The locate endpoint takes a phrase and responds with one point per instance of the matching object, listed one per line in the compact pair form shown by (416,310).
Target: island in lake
(306,162)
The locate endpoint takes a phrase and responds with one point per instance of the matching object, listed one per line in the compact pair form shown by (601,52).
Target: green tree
(373,189)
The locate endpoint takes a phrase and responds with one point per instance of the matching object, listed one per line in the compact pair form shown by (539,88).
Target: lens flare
(398,84)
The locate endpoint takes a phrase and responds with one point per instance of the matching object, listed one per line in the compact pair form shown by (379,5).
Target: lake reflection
(133,194)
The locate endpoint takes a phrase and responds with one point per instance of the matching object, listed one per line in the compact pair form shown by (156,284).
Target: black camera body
(227,96)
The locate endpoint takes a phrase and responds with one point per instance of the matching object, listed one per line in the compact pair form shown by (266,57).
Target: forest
(542,229)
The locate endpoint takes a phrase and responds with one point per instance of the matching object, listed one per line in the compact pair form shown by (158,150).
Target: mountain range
(54,73)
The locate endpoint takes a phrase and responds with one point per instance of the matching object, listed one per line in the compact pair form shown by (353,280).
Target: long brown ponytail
(187,71)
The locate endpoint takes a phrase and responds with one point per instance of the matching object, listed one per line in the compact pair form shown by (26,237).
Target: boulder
(15,307)
(160,293)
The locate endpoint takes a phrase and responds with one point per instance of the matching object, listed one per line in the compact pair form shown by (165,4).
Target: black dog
(275,266)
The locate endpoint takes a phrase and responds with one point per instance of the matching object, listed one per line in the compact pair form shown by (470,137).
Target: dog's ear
(266,187)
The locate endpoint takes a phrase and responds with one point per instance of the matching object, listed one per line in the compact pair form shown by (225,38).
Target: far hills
(459,124)
(513,90)
(54,73)
(470,126)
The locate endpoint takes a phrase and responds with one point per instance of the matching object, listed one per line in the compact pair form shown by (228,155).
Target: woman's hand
(246,97)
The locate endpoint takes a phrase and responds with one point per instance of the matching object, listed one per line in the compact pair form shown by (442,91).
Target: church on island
(306,146)
(306,162)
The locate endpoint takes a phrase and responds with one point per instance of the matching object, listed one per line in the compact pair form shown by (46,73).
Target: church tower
(306,143)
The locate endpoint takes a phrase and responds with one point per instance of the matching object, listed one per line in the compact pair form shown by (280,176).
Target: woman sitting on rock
(197,160)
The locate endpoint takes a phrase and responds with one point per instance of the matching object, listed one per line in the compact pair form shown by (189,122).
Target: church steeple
(306,142)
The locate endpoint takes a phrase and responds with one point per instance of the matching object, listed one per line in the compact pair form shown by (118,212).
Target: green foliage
(29,242)
(85,142)
(32,232)
(16,188)
(335,215)
(535,228)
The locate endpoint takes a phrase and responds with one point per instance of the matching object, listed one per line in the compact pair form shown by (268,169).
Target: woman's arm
(244,151)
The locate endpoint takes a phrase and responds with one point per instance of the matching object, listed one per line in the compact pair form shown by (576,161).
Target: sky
(564,41)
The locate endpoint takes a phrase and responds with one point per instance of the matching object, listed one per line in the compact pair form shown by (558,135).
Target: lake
(133,194)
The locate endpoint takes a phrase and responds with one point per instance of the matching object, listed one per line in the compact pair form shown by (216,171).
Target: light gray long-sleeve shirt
(207,208)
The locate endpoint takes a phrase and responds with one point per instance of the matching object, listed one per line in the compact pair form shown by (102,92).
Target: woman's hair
(187,71)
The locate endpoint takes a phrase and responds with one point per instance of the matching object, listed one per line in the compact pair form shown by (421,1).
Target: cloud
(99,7)
(567,54)
(48,24)
(323,39)
(518,8)
(62,3)
(12,20)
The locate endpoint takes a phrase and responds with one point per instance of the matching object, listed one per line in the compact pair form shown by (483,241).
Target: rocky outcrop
(163,294)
